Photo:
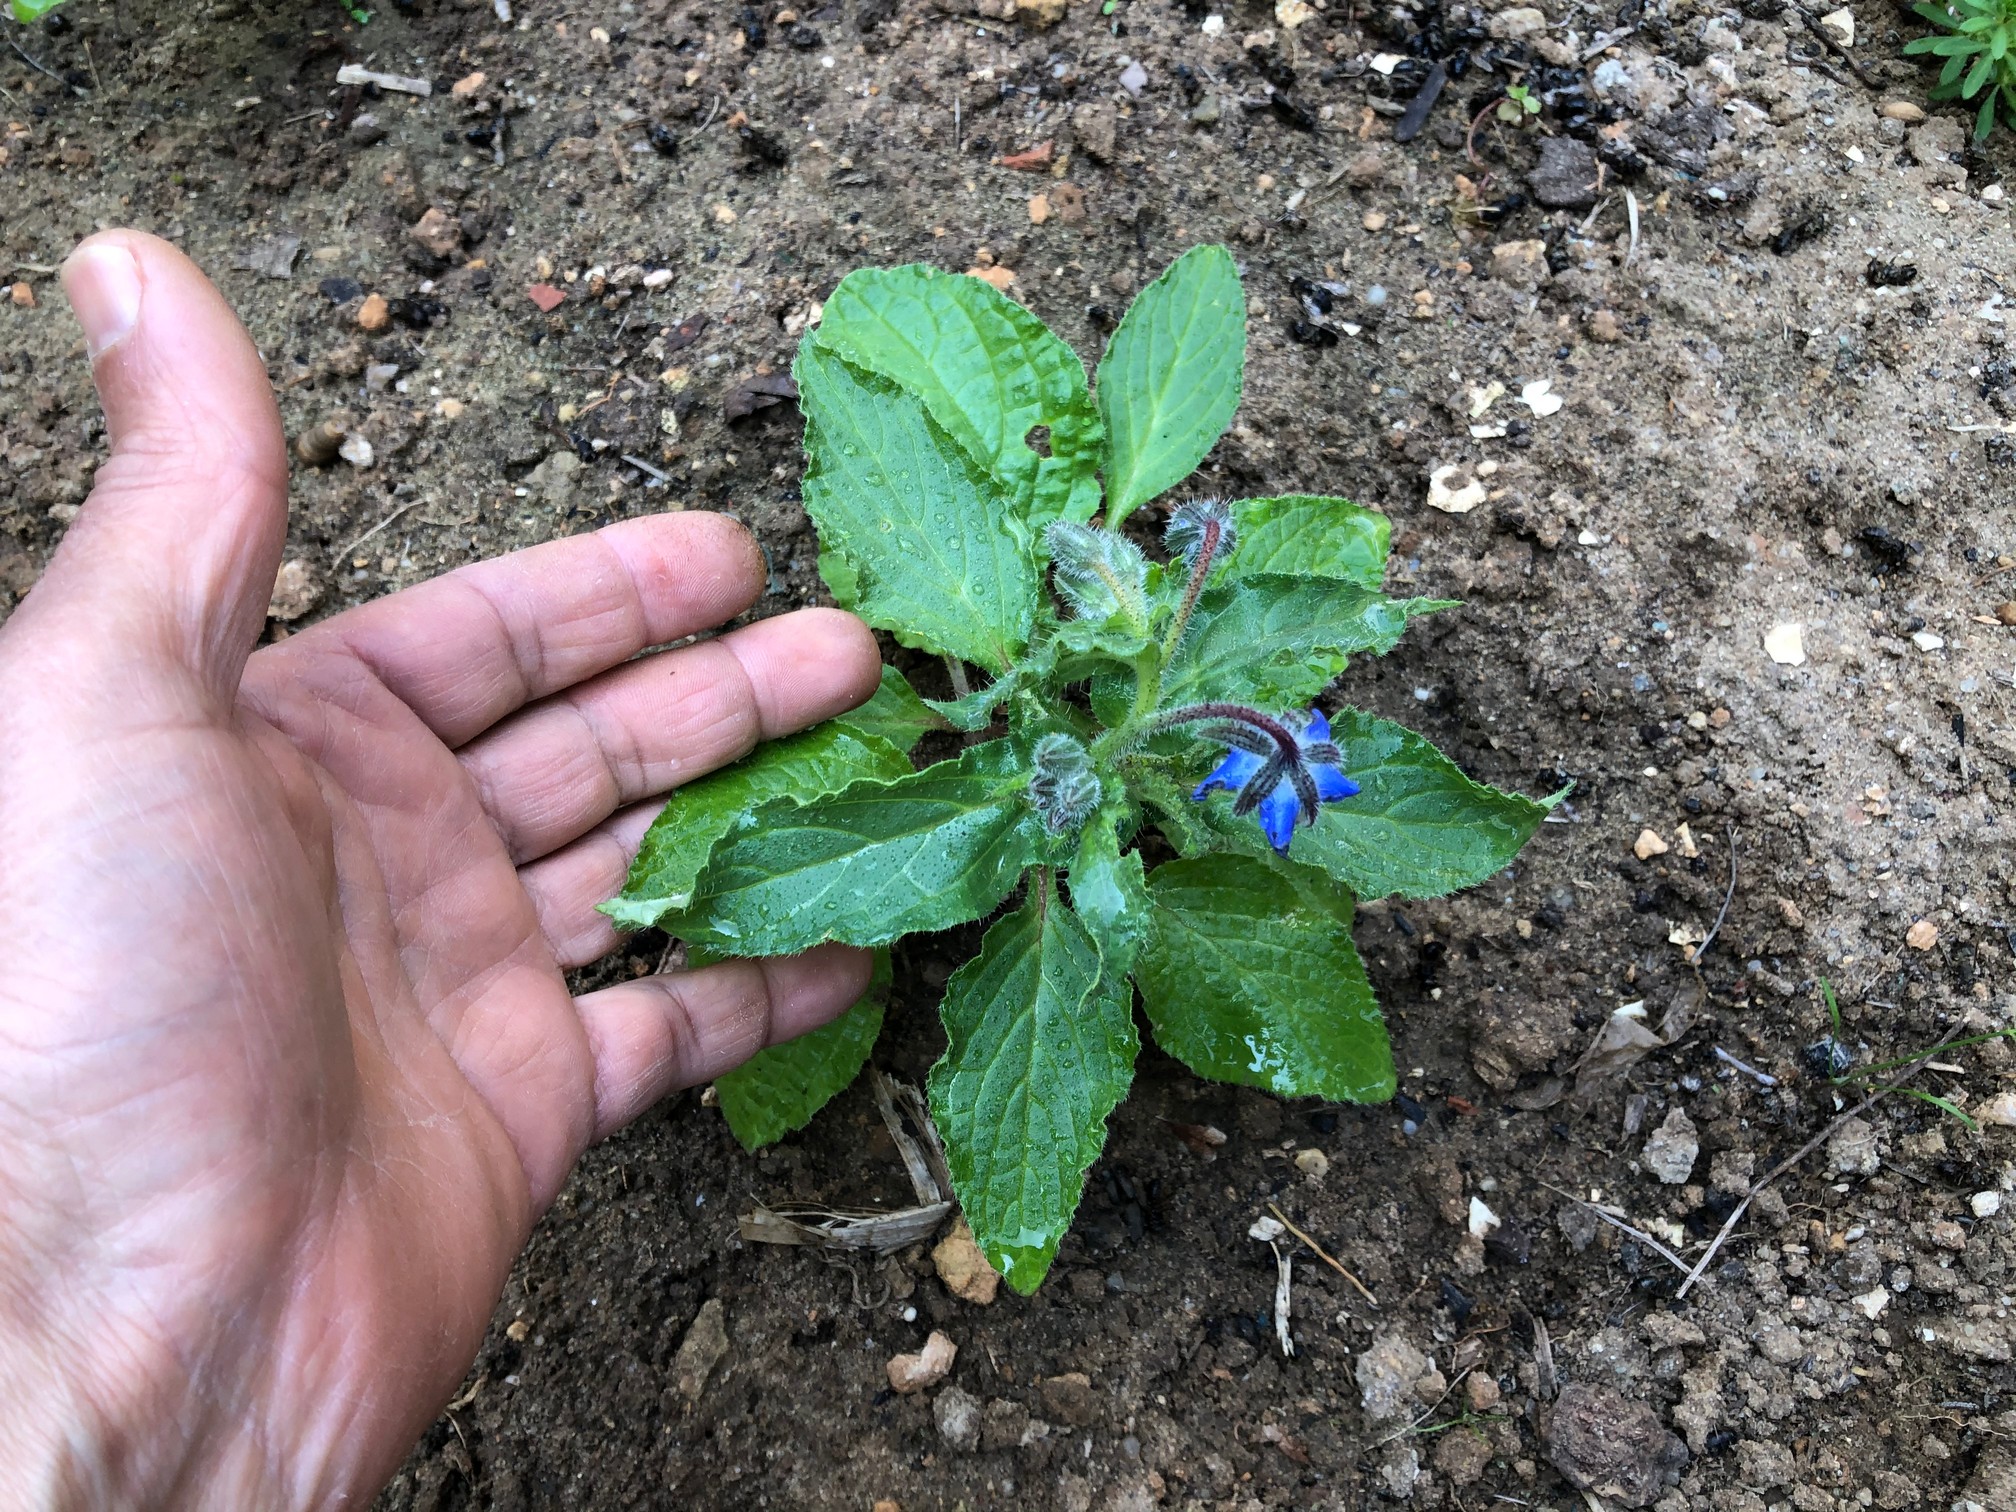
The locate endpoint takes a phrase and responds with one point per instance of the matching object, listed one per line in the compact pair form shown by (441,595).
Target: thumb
(176,548)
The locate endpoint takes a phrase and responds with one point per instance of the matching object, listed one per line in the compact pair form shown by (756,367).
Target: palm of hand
(288,1065)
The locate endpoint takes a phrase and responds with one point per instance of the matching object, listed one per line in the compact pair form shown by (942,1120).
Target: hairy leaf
(1246,979)
(1306,535)
(1170,379)
(986,370)
(911,536)
(1418,827)
(821,760)
(876,860)
(1279,641)
(1110,894)
(1040,1050)
(778,1089)
(895,713)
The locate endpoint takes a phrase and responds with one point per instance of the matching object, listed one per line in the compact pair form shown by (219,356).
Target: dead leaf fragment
(994,274)
(926,1368)
(1035,159)
(1923,935)
(761,392)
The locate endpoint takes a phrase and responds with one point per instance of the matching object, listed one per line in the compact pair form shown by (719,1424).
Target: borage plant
(955,457)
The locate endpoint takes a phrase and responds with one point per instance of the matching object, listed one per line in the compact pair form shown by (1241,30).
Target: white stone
(1454,490)
(1786,644)
(1482,1219)
(1927,640)
(1841,25)
(1872,1303)
(1985,1204)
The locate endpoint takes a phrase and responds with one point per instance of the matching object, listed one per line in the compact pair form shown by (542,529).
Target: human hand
(287,1064)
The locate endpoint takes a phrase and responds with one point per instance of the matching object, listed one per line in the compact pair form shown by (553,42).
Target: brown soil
(1751,438)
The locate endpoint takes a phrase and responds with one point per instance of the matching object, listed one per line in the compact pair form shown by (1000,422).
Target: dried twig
(344,554)
(42,68)
(1800,1154)
(1727,898)
(1833,45)
(1618,1223)
(1322,1254)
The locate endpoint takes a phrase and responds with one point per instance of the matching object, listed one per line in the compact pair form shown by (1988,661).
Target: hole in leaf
(1038,440)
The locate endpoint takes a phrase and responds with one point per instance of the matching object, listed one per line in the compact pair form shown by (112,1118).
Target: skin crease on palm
(288,1066)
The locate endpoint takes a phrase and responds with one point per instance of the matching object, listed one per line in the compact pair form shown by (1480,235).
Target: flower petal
(1318,727)
(1332,784)
(1277,817)
(1231,774)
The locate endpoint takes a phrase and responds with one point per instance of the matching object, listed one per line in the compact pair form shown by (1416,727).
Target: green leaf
(911,535)
(1418,827)
(1039,1052)
(895,713)
(876,860)
(1246,979)
(821,760)
(1110,894)
(33,10)
(1306,535)
(1170,379)
(779,1088)
(986,370)
(1279,641)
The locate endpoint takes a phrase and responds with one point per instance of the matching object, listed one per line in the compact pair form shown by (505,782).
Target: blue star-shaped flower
(1283,790)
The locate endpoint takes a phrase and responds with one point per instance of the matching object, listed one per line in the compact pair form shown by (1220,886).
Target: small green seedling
(1144,761)
(1831,1056)
(1980,52)
(1519,106)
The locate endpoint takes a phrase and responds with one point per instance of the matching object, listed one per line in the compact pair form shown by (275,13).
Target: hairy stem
(1199,570)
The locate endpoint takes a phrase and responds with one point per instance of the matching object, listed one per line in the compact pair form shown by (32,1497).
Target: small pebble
(375,313)
(1985,1204)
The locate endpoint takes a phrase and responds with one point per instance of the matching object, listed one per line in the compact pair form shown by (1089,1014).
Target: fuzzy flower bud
(1097,573)
(1064,788)
(1189,529)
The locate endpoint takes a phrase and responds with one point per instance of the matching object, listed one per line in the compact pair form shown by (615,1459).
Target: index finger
(474,645)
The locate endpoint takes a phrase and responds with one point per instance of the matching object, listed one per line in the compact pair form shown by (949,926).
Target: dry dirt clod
(1617,1449)
(920,1371)
(295,591)
(1673,1148)
(705,1344)
(375,313)
(963,1268)
(1922,935)
(1387,1375)
(438,231)
(957,1414)
(23,295)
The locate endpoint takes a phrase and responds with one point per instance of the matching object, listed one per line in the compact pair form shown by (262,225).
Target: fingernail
(103,282)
